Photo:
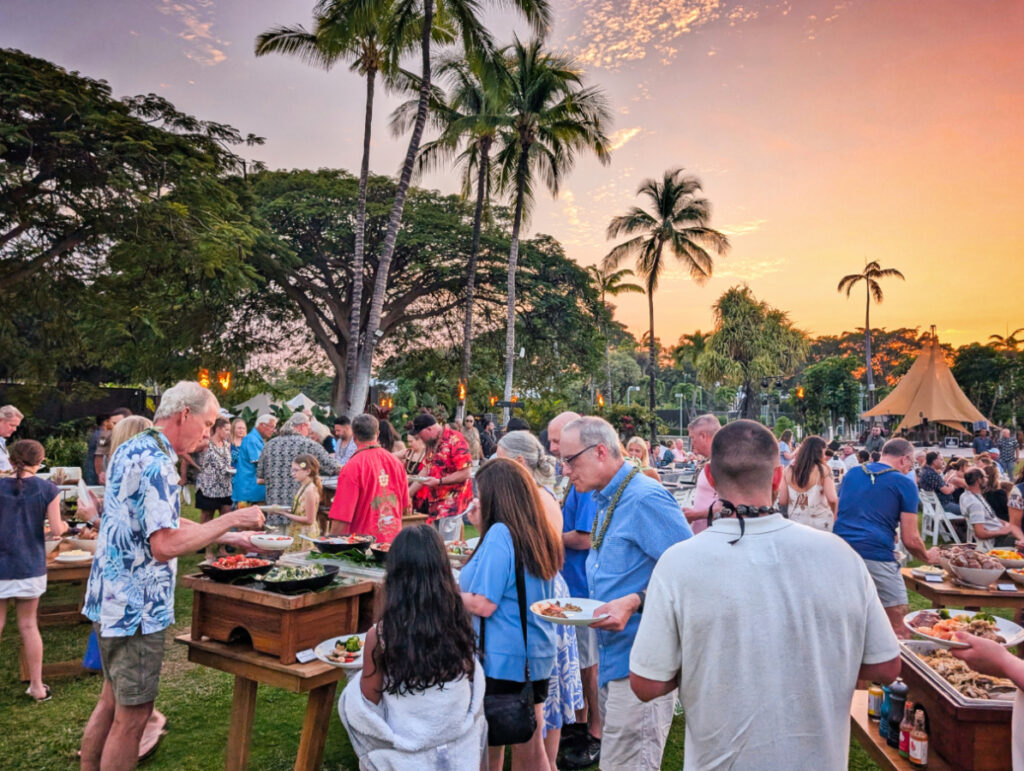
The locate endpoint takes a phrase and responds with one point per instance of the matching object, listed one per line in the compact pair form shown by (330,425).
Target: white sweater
(442,728)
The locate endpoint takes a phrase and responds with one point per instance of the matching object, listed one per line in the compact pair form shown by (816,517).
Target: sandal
(46,697)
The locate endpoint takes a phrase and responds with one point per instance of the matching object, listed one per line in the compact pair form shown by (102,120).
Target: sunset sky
(826,134)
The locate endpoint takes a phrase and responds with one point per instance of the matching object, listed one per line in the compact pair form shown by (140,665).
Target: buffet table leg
(243,709)
(314,728)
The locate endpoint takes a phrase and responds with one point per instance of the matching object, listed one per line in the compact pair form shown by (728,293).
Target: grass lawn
(197,703)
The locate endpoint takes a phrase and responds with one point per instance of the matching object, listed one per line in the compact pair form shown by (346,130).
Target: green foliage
(751,340)
(831,391)
(782,424)
(634,420)
(65,451)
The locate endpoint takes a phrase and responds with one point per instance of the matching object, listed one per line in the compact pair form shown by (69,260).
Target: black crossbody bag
(511,718)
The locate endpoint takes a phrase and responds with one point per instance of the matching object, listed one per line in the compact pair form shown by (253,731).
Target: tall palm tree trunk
(361,386)
(654,366)
(867,349)
(356,316)
(478,215)
(607,353)
(513,262)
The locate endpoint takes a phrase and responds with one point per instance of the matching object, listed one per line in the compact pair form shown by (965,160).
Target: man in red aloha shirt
(373,491)
(446,468)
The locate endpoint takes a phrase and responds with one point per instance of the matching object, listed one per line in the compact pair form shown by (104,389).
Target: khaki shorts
(132,665)
(634,732)
(892,591)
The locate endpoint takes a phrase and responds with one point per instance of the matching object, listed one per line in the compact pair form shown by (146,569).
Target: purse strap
(521,597)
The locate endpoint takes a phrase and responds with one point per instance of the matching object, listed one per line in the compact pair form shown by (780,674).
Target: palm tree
(679,220)
(870,276)
(363,31)
(610,284)
(463,17)
(1010,343)
(466,117)
(551,118)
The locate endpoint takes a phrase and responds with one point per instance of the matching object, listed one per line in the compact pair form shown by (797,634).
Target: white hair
(523,444)
(266,417)
(298,419)
(594,430)
(186,394)
(10,412)
(706,422)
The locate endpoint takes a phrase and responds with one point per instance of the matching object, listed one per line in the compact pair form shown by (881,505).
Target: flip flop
(47,697)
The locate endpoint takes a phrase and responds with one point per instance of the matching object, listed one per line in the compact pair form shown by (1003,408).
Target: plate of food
(380,551)
(271,541)
(927,570)
(420,478)
(345,651)
(459,551)
(228,568)
(290,578)
(569,611)
(340,543)
(274,509)
(75,555)
(1010,558)
(1016,575)
(939,626)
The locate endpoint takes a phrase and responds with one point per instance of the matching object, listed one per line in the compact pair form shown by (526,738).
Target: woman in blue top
(786,451)
(512,524)
(26,502)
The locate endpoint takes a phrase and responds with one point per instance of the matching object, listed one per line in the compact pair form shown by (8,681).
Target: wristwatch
(642,594)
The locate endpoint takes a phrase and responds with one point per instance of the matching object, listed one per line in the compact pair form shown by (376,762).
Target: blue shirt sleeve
(495,564)
(664,524)
(908,495)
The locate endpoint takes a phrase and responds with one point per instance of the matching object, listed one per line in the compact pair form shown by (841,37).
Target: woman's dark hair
(974,476)
(426,634)
(807,459)
(787,436)
(386,435)
(219,423)
(24,453)
(991,478)
(876,456)
(929,459)
(863,456)
(509,495)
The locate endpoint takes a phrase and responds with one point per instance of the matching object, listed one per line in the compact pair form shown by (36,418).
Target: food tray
(223,575)
(326,546)
(917,648)
(303,584)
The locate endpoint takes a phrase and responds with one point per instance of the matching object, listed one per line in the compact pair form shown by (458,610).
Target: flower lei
(611,509)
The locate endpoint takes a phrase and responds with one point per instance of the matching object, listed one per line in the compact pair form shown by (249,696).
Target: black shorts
(205,503)
(540,688)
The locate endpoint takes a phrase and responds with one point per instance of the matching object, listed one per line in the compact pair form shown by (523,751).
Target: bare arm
(478,605)
(911,537)
(168,543)
(310,502)
(575,539)
(57,525)
(884,672)
(784,489)
(828,484)
(646,690)
(371,684)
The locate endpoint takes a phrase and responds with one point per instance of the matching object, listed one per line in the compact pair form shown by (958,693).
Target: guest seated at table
(418,701)
(636,448)
(26,503)
(989,531)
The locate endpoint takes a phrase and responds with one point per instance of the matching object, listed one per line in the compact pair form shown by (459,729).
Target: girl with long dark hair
(26,503)
(513,527)
(809,489)
(418,701)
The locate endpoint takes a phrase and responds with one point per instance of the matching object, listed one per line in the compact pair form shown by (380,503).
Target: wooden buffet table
(865,731)
(250,669)
(68,614)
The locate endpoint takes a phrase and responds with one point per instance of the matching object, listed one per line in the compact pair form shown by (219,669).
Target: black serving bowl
(329,546)
(381,555)
(222,575)
(303,584)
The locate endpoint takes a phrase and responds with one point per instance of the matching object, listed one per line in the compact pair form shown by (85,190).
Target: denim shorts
(132,665)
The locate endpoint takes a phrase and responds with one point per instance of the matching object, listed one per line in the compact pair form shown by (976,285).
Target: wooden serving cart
(276,624)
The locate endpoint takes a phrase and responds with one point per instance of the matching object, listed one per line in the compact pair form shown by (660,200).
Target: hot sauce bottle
(918,742)
(905,728)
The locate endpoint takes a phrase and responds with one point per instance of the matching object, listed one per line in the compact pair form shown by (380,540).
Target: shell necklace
(611,508)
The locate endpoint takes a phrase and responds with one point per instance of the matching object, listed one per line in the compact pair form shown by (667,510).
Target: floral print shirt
(214,478)
(450,455)
(129,588)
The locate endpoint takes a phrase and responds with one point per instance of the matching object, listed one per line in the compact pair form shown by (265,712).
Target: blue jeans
(952,508)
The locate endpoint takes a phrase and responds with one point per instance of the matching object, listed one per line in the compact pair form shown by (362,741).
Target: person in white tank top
(809,490)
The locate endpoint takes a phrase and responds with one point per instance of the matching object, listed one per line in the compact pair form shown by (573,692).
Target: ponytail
(25,453)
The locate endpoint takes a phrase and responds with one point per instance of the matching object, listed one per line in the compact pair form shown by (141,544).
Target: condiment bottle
(883,723)
(918,742)
(897,699)
(905,728)
(875,701)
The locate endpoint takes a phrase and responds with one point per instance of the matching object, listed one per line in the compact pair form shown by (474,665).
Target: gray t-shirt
(767,650)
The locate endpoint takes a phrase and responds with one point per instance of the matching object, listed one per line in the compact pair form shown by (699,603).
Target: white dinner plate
(583,617)
(65,557)
(327,646)
(1013,633)
(271,541)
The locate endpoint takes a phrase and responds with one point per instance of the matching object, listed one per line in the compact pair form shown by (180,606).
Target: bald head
(555,429)
(744,455)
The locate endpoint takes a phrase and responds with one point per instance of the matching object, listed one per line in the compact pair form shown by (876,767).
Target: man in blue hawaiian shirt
(246,488)
(130,595)
(636,521)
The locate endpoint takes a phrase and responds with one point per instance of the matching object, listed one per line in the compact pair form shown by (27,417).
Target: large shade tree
(552,117)
(677,224)
(871,276)
(463,16)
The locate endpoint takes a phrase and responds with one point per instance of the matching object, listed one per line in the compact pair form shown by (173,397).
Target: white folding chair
(937,522)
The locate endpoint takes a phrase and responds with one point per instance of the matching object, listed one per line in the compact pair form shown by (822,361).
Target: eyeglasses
(572,458)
